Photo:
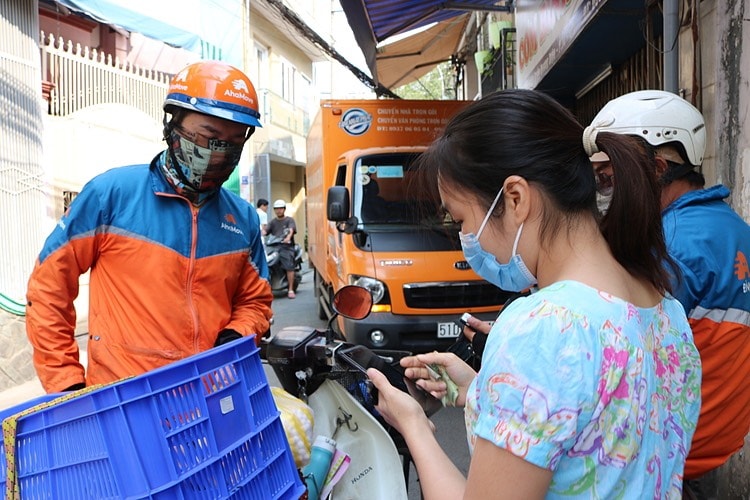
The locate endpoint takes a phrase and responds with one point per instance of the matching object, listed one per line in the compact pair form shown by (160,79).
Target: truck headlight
(376,287)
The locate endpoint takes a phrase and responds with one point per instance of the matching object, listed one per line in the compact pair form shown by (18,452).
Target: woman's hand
(398,408)
(459,374)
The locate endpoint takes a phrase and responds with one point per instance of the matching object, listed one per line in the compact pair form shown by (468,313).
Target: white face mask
(603,201)
(604,189)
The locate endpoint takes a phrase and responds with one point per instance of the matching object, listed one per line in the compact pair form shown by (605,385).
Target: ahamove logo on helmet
(241,87)
(180,77)
(355,121)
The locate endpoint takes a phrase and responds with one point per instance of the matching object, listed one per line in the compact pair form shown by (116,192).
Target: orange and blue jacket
(711,244)
(166,278)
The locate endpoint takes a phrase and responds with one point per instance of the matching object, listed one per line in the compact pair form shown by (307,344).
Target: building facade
(80,94)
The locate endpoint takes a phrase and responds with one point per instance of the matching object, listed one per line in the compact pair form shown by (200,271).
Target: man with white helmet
(711,244)
(284,227)
(177,262)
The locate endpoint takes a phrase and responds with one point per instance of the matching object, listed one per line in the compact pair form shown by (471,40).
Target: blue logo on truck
(356,121)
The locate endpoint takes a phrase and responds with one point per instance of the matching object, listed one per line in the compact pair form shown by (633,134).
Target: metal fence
(77,77)
(22,193)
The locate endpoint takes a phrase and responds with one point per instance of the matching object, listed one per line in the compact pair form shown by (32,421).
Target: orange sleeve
(251,310)
(51,315)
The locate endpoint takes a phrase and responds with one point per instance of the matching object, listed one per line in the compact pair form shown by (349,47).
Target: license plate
(448,330)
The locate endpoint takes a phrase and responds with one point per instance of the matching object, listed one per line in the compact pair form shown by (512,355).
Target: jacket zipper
(191,269)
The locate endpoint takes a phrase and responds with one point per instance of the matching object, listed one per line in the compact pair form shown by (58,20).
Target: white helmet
(279,204)
(657,116)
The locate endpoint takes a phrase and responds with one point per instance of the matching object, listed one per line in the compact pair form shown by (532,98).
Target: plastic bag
(297,420)
(375,471)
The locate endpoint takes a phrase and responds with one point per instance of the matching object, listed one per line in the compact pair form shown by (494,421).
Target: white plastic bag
(375,472)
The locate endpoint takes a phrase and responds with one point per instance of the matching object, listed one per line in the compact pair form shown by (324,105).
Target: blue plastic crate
(204,427)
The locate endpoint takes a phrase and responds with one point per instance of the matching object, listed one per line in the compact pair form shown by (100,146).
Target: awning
(617,31)
(204,28)
(374,21)
(409,59)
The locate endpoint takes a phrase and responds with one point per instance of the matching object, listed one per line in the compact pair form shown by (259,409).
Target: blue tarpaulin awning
(211,28)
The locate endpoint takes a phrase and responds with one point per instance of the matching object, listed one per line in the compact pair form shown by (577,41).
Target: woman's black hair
(529,134)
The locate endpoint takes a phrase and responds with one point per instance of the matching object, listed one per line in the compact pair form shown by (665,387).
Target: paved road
(448,421)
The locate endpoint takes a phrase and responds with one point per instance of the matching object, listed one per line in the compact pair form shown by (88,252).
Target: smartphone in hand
(462,347)
(362,358)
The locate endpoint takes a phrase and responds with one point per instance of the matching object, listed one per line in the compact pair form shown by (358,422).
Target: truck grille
(453,295)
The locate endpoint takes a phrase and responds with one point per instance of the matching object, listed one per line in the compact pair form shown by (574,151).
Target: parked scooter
(276,274)
(329,374)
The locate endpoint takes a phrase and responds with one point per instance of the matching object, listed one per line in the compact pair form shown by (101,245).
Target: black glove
(227,335)
(75,387)
(478,343)
(470,351)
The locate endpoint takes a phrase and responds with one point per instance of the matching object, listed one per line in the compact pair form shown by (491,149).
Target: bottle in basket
(316,470)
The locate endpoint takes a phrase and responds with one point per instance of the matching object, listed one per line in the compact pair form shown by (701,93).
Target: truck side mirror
(338,204)
(338,209)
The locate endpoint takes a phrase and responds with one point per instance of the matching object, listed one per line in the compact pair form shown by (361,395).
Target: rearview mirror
(337,207)
(352,301)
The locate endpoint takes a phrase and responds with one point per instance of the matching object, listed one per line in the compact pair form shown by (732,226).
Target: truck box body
(396,243)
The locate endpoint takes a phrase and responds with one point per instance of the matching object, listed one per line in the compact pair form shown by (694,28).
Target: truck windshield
(385,192)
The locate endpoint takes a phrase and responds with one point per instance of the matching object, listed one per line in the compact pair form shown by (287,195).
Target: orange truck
(367,226)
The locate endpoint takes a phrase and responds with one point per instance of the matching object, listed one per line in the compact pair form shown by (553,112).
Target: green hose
(13,307)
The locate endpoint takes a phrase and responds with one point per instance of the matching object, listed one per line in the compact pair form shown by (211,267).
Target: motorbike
(276,274)
(320,368)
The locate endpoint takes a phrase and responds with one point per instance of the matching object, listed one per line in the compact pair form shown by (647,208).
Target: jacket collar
(699,196)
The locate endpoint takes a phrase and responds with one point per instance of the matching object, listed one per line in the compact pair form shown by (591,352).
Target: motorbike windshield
(387,192)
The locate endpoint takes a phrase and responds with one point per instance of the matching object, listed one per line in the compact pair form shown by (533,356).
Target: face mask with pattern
(201,169)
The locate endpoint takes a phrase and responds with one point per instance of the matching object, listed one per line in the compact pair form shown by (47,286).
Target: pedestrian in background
(710,243)
(177,264)
(589,387)
(284,228)
(262,208)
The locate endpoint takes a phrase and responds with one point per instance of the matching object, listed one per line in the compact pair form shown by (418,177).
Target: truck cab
(392,238)
(372,222)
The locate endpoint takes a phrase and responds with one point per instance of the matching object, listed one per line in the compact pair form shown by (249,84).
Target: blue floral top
(601,392)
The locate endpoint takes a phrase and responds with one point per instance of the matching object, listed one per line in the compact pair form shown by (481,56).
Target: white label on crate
(227,405)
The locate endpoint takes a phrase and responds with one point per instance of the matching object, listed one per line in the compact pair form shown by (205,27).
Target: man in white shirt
(262,209)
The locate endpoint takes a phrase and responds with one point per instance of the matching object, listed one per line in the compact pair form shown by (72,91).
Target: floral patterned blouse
(601,392)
